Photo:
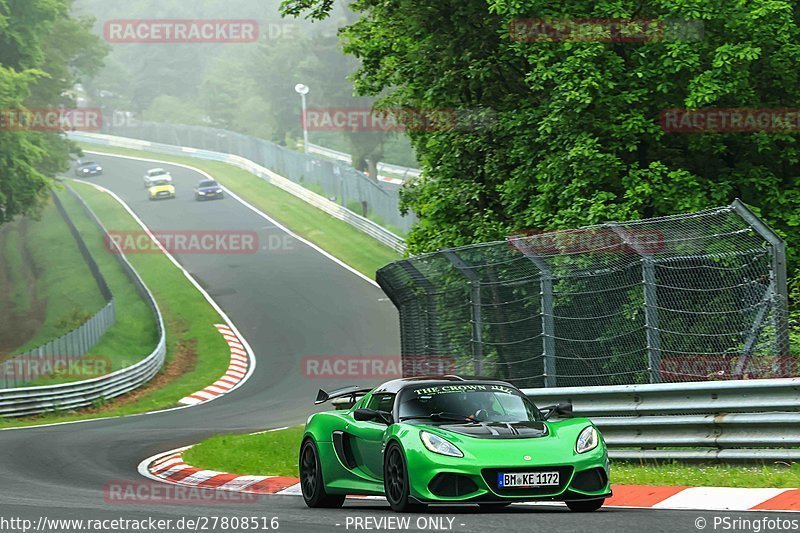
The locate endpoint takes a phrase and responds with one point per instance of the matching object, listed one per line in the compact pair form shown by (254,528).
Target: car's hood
(498,430)
(162,188)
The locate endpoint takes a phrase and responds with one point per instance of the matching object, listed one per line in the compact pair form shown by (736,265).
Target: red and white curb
(238,370)
(170,468)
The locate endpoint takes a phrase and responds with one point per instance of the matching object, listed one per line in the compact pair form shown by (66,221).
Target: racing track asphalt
(288,303)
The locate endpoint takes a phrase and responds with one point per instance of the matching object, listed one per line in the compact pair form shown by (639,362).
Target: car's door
(367,437)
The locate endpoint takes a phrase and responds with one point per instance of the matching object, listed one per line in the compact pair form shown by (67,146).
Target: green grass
(275,453)
(20,295)
(63,278)
(134,334)
(189,321)
(265,454)
(707,475)
(337,238)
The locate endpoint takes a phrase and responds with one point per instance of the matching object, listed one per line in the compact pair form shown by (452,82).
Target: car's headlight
(439,445)
(200,192)
(587,440)
(99,168)
(85,170)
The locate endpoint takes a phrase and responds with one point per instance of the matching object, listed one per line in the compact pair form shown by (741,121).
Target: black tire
(395,481)
(492,507)
(311,480)
(586,506)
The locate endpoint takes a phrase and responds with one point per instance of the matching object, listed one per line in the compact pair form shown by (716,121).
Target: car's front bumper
(207,196)
(162,196)
(446,479)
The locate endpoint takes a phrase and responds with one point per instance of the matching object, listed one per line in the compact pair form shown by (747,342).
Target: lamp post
(302,90)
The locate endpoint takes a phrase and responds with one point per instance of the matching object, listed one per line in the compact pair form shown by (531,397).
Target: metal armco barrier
(34,400)
(719,420)
(374,230)
(17,372)
(406,172)
(363,224)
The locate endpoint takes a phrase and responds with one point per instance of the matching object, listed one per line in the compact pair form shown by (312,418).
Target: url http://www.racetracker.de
(201,523)
(751,524)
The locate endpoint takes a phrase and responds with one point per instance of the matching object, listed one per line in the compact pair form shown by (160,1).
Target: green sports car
(450,440)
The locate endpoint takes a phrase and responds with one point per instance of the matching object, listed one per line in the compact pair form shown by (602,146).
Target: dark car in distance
(208,190)
(88,168)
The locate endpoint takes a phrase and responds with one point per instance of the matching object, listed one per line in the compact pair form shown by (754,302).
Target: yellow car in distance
(160,189)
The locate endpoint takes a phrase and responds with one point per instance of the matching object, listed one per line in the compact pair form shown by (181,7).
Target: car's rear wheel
(311,483)
(586,506)
(396,482)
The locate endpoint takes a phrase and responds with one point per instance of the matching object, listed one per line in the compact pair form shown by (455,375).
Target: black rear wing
(353,391)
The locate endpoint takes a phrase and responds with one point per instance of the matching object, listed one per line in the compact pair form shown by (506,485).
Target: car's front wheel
(396,481)
(586,506)
(311,483)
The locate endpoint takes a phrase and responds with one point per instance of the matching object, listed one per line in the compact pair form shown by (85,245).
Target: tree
(43,53)
(575,135)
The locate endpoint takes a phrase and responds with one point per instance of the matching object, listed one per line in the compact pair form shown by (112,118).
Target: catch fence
(692,297)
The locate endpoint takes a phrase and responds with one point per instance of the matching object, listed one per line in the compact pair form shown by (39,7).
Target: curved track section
(288,301)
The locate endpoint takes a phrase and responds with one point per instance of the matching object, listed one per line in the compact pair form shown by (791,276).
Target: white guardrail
(406,172)
(35,400)
(718,420)
(337,211)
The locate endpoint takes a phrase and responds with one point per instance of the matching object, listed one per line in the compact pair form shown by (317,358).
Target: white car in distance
(156,174)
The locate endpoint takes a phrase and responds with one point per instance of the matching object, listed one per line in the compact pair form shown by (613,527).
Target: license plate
(527,479)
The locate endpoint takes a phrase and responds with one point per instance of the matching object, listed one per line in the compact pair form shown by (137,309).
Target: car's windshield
(156,172)
(204,184)
(87,164)
(160,183)
(473,402)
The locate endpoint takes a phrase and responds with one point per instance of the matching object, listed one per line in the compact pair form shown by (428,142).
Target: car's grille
(490,476)
(590,480)
(163,193)
(452,485)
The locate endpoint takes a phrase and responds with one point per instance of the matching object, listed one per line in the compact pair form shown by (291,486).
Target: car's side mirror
(563,410)
(370,415)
